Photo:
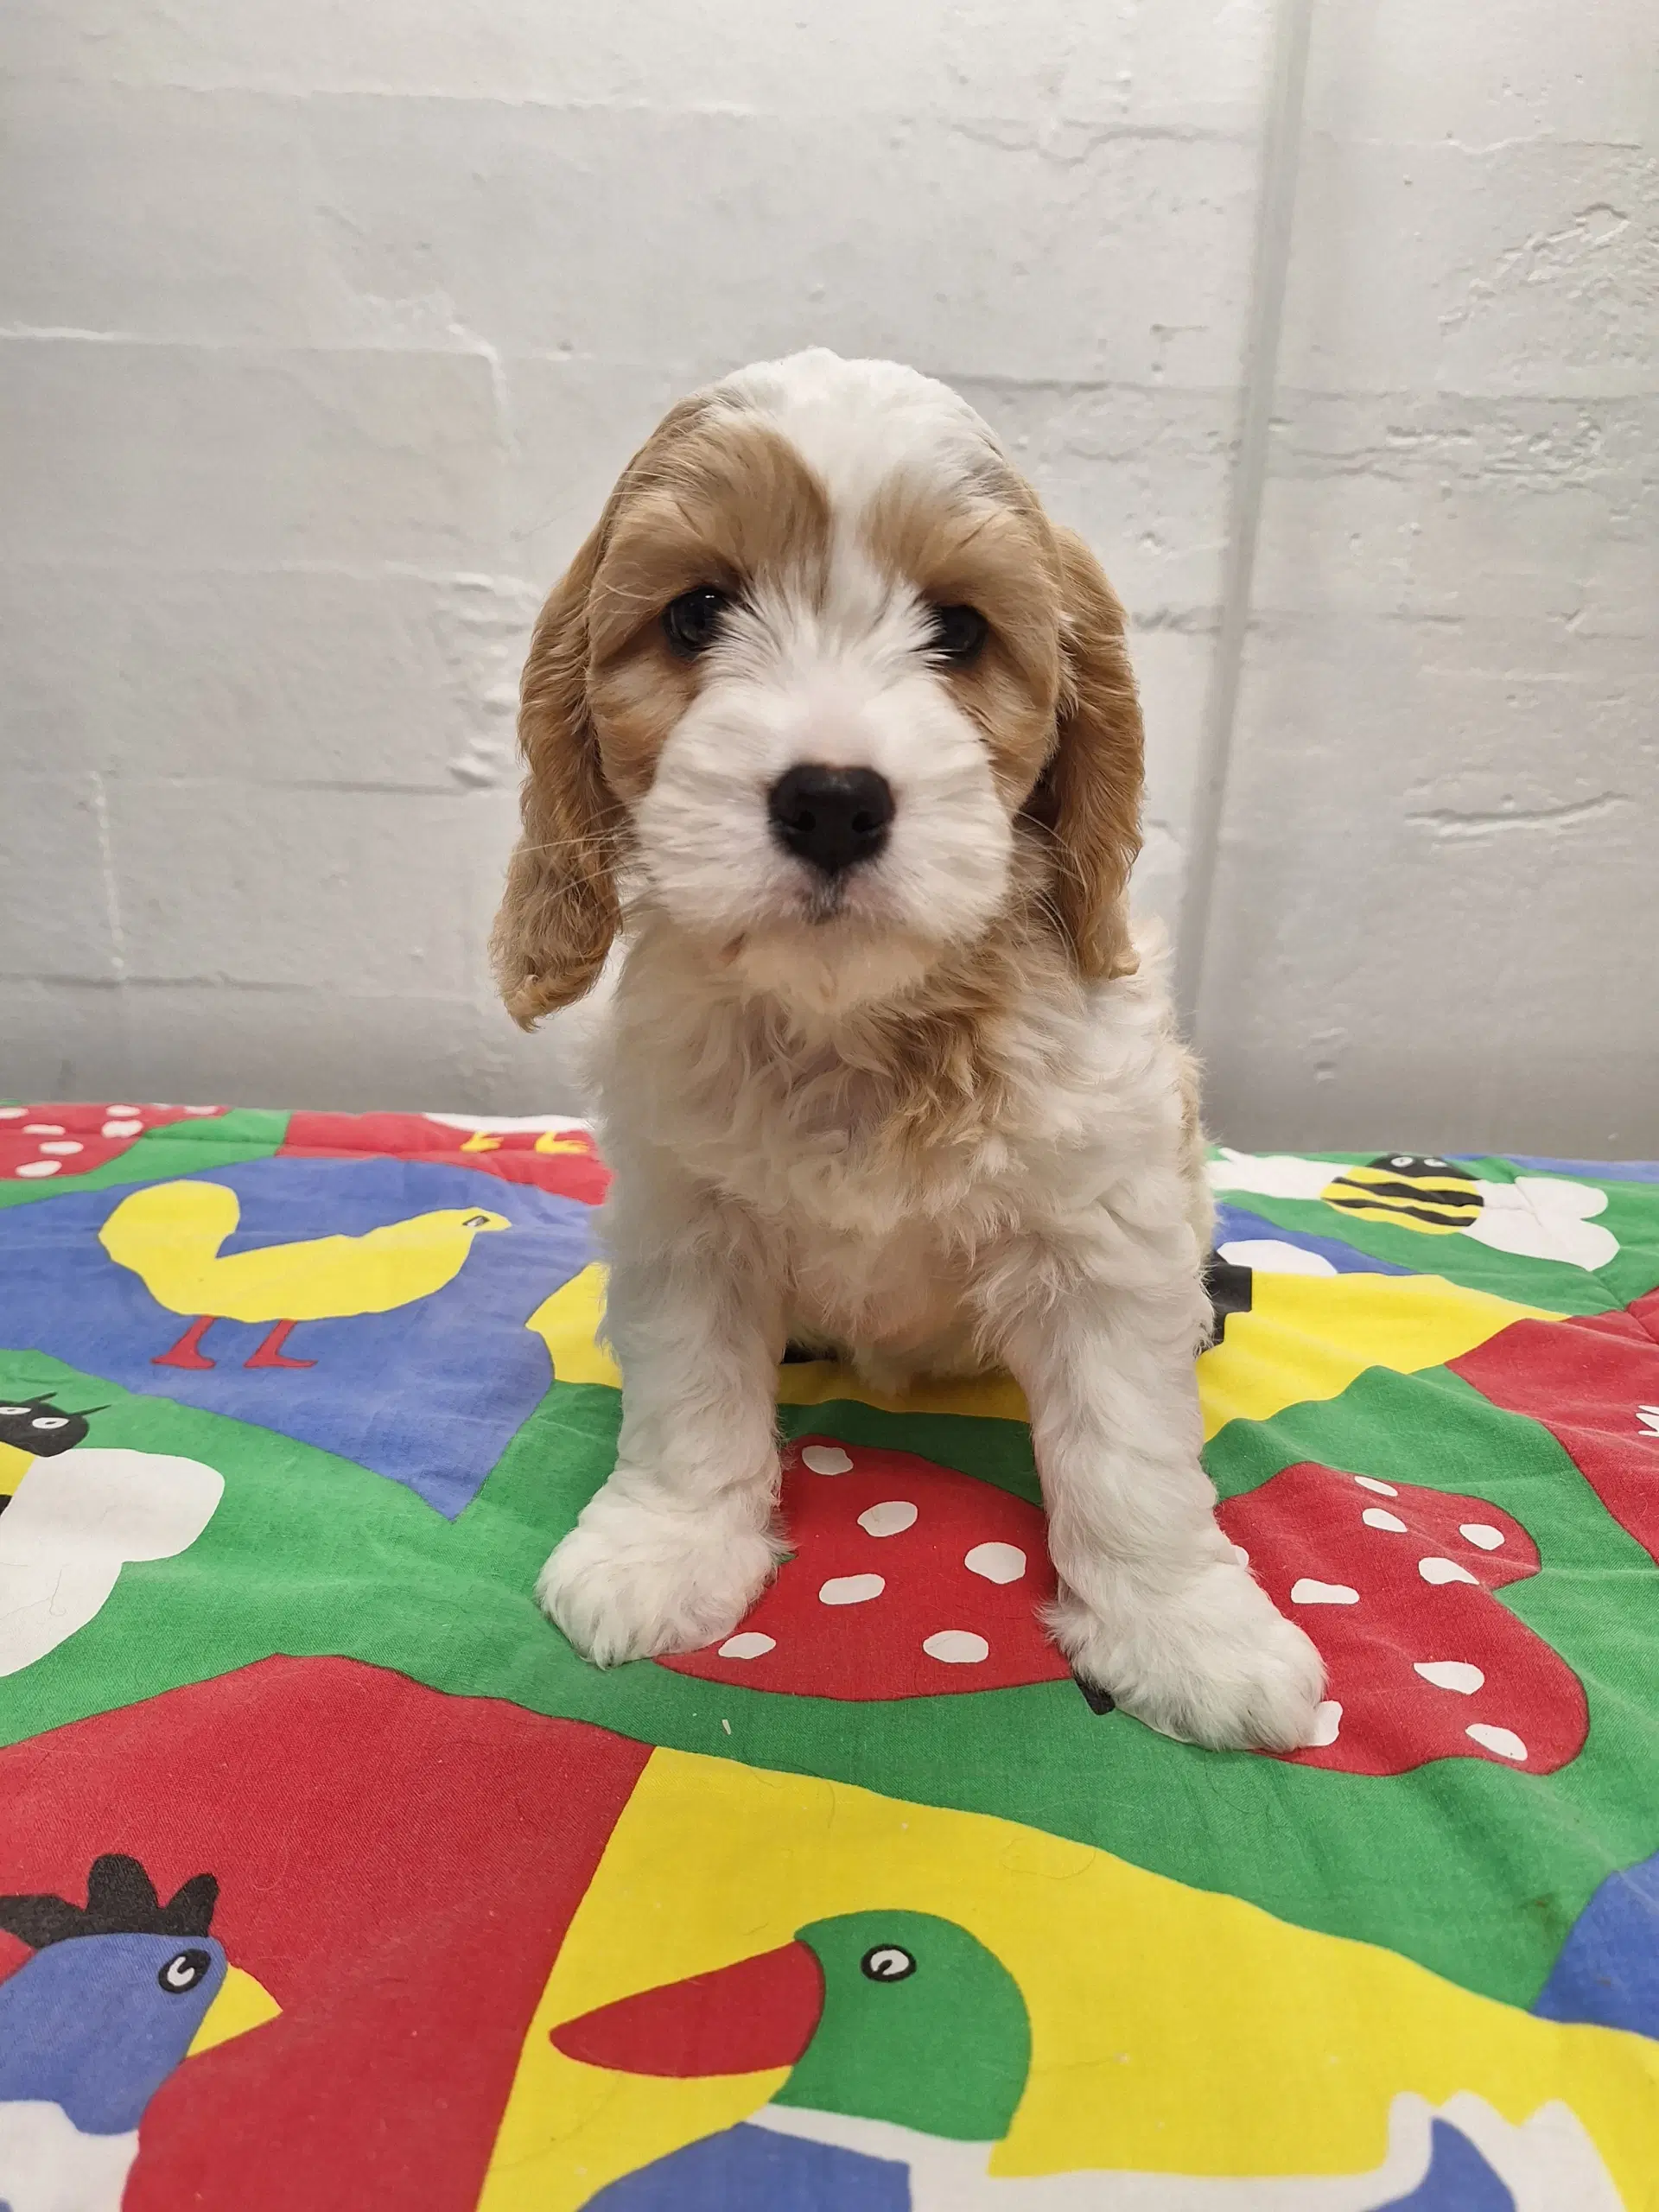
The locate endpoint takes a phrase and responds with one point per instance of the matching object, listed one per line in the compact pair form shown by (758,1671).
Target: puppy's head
(827,690)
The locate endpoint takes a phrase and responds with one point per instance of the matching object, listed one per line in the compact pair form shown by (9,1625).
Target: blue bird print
(118,1993)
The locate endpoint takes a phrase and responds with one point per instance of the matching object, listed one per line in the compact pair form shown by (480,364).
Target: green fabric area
(1475,1870)
(943,2048)
(177,1149)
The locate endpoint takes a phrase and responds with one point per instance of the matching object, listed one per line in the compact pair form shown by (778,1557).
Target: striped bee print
(1414,1192)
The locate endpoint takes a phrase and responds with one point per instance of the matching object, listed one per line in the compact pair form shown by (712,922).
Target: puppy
(844,730)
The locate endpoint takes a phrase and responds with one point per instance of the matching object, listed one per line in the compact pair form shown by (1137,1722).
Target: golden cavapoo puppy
(836,732)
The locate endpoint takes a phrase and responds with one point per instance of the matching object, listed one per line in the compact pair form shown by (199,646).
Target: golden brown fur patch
(714,498)
(1052,690)
(1088,799)
(995,553)
(703,502)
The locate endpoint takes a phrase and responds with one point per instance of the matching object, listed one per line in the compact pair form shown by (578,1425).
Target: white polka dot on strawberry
(748,1643)
(1307,1591)
(956,1646)
(851,1589)
(1442,1571)
(1451,1674)
(996,1562)
(1503,1741)
(826,1459)
(889,1518)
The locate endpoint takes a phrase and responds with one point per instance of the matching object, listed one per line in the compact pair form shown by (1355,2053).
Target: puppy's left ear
(1090,793)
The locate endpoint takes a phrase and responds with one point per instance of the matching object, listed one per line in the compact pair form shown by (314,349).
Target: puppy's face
(805,683)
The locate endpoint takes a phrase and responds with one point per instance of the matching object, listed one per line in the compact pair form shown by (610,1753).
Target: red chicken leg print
(1395,1584)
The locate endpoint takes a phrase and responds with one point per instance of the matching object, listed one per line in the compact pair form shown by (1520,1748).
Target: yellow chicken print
(170,1235)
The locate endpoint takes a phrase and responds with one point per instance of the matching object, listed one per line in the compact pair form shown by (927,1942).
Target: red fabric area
(743,2018)
(1594,1383)
(563,1161)
(1395,1583)
(907,1580)
(398,1867)
(47,1143)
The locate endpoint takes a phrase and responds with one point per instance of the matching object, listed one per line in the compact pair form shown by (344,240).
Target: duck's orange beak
(745,2018)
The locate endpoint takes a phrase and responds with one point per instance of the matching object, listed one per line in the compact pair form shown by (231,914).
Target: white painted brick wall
(323,332)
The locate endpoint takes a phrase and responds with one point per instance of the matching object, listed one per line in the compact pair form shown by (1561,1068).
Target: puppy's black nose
(831,816)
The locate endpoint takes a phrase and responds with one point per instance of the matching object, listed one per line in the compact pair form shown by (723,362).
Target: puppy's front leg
(674,1549)
(1155,1606)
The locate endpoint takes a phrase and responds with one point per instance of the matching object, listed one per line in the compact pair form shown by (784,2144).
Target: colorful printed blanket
(329,1876)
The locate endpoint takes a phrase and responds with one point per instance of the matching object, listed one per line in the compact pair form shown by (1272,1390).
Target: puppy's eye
(958,632)
(692,622)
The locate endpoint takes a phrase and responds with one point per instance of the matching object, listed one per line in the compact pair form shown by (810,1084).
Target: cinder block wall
(323,330)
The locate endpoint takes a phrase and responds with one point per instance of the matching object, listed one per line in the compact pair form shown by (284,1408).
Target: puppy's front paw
(632,1579)
(1213,1662)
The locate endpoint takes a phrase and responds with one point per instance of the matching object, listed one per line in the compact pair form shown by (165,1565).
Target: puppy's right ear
(559,913)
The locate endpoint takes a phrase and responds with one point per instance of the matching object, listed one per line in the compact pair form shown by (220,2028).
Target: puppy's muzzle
(830,818)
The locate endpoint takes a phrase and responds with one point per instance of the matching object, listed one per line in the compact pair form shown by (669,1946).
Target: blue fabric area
(1235,1226)
(86,2024)
(1607,1971)
(747,2169)
(428,1395)
(1594,1170)
(1459,2179)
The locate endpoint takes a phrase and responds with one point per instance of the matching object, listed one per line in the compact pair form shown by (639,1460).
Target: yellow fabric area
(567,1323)
(242,2003)
(1151,2049)
(1306,1336)
(551,1140)
(1310,1336)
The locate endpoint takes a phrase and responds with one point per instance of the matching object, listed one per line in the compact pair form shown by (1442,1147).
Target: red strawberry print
(907,1580)
(1594,1383)
(564,1160)
(1395,1583)
(42,1142)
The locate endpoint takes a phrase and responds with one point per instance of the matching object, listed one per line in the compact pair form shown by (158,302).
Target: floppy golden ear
(1089,794)
(559,911)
